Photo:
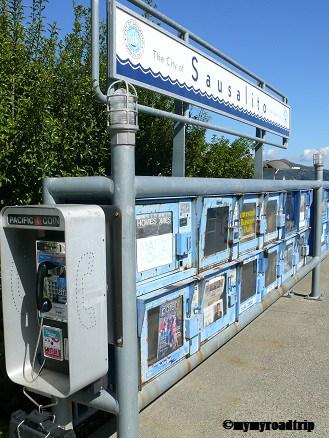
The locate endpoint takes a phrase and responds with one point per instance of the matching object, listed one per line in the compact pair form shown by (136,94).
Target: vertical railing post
(317,225)
(122,122)
(259,149)
(63,413)
(179,141)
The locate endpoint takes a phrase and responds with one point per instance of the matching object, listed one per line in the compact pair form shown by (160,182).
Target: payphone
(53,263)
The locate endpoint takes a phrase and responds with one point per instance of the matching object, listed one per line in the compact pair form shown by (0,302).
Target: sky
(285,42)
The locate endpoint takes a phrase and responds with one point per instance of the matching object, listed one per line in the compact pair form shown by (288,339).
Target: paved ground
(276,369)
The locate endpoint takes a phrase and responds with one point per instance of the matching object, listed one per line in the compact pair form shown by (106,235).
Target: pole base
(308,297)
(293,294)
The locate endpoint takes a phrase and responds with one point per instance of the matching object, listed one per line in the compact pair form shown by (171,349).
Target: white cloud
(308,153)
(270,153)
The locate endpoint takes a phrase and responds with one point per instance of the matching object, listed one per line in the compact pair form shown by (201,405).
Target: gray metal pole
(317,226)
(258,159)
(259,149)
(179,142)
(123,139)
(63,413)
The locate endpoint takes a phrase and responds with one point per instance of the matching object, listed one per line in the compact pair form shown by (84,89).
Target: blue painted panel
(249,217)
(324,237)
(325,205)
(327,236)
(218,231)
(218,301)
(194,345)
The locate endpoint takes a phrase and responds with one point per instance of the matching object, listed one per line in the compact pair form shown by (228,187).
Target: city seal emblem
(134,39)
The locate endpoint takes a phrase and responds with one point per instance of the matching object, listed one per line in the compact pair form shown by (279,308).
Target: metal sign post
(179,142)
(123,126)
(317,231)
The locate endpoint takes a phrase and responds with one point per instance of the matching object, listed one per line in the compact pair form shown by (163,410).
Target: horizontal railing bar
(190,121)
(161,186)
(99,189)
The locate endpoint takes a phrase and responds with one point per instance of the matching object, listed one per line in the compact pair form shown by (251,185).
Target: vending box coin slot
(192,321)
(183,244)
(232,294)
(261,225)
(280,220)
(305,250)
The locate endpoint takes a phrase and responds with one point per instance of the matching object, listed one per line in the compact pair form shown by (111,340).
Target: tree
(51,125)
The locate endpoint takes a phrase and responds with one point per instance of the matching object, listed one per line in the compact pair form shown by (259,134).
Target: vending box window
(305,202)
(272,268)
(249,217)
(53,263)
(166,325)
(219,231)
(249,289)
(291,212)
(303,242)
(297,211)
(273,216)
(290,257)
(218,292)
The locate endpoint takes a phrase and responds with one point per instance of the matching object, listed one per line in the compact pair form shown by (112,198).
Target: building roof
(279,164)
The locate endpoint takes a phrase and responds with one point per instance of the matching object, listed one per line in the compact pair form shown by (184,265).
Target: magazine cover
(170,335)
(165,329)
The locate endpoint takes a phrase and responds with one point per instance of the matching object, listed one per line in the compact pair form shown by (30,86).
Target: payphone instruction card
(52,342)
